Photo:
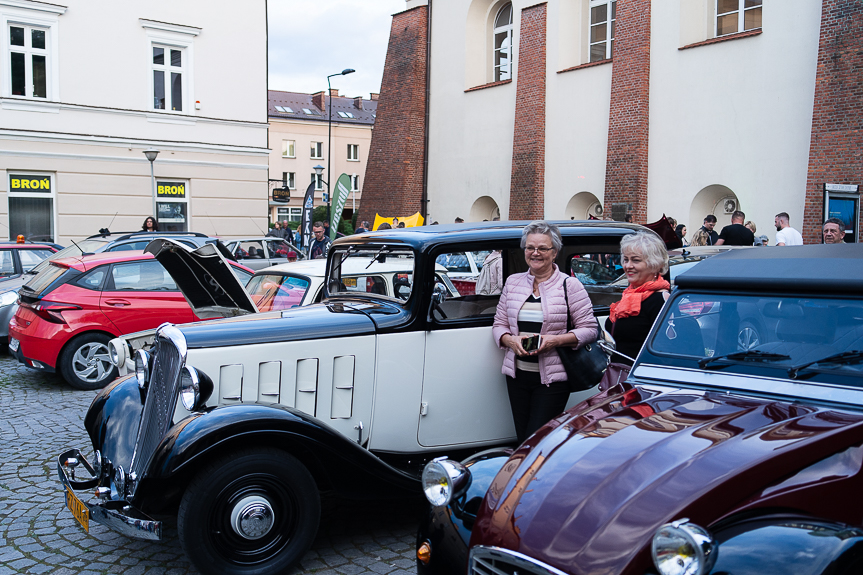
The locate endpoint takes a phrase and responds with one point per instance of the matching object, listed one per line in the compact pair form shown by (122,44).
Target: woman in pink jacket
(533,303)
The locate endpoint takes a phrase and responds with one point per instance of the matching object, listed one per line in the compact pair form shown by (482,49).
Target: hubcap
(747,339)
(252,517)
(92,362)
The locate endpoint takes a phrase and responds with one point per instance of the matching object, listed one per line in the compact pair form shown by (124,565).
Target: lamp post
(151,155)
(344,72)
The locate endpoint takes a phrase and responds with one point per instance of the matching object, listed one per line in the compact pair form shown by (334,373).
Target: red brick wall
(626,163)
(836,146)
(394,173)
(527,184)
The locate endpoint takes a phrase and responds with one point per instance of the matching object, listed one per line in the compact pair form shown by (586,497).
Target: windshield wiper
(751,355)
(375,257)
(846,357)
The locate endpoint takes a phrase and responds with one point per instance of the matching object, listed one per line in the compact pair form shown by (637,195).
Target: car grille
(161,400)
(497,561)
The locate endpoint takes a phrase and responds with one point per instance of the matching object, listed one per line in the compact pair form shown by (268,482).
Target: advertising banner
(30,183)
(306,223)
(340,198)
(171,189)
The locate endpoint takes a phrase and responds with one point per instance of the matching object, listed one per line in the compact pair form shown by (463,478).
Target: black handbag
(586,365)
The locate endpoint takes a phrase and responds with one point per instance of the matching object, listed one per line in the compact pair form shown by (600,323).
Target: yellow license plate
(78,509)
(350,282)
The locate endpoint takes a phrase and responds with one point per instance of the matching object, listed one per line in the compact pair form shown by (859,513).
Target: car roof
(254,239)
(90,261)
(352,266)
(813,268)
(30,246)
(424,237)
(117,236)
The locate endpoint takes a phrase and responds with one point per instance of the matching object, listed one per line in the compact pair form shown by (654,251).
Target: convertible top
(823,269)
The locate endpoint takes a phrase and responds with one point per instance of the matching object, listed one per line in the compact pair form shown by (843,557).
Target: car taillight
(50,311)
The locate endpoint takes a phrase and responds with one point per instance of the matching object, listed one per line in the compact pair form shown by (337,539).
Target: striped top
(529,323)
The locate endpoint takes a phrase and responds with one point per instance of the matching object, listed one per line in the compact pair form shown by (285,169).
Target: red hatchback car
(69,312)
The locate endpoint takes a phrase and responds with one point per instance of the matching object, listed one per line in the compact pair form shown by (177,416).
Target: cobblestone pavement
(42,417)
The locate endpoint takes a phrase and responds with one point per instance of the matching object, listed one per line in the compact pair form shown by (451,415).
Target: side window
(278,249)
(29,258)
(277,292)
(7,266)
(130,246)
(250,251)
(595,268)
(241,274)
(468,295)
(141,276)
(92,280)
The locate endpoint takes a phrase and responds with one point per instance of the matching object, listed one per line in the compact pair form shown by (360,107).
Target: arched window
(503,44)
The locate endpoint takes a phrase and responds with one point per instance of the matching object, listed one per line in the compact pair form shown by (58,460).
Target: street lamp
(344,72)
(151,155)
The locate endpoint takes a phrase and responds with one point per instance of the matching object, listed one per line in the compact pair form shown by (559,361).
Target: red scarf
(630,303)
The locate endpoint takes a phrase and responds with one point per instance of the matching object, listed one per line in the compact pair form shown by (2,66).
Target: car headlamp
(195,388)
(8,298)
(117,349)
(142,368)
(683,548)
(443,479)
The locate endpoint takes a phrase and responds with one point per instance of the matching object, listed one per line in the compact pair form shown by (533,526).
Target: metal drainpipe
(424,200)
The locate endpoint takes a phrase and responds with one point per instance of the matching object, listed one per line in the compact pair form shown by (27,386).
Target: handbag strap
(566,299)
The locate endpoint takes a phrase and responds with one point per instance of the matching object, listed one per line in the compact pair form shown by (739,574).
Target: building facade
(87,86)
(300,140)
(578,108)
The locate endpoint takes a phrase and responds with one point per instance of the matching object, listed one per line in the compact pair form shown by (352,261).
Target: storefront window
(31,207)
(172,206)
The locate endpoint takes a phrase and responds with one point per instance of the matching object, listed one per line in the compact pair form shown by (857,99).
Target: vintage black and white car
(239,425)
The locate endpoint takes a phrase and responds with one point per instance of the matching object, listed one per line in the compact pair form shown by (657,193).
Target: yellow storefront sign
(171,190)
(30,183)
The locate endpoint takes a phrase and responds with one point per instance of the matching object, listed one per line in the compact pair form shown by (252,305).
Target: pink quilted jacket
(517,289)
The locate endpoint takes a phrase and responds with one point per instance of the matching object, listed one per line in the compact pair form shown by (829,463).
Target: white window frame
(289,148)
(353,152)
(741,17)
(17,194)
(319,181)
(35,15)
(290,180)
(168,70)
(171,37)
(316,147)
(503,71)
(290,214)
(610,12)
(355,182)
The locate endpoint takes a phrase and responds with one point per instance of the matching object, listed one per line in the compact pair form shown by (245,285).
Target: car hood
(588,491)
(205,278)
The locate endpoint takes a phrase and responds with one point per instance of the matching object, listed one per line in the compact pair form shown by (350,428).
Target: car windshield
(272,292)
(800,336)
(379,271)
(76,249)
(44,279)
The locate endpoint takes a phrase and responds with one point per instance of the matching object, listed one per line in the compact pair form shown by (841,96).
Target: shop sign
(281,195)
(30,184)
(171,189)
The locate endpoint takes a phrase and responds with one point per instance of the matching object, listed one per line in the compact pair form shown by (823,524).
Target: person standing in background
(834,231)
(709,224)
(150,225)
(785,234)
(736,234)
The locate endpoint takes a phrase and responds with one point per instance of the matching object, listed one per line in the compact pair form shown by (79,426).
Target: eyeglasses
(541,249)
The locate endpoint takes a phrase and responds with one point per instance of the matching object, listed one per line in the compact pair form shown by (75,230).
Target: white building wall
(89,133)
(736,113)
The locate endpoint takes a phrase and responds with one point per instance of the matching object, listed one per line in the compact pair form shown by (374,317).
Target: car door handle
(118,302)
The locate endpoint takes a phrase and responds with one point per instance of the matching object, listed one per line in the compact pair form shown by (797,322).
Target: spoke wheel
(748,337)
(249,513)
(86,362)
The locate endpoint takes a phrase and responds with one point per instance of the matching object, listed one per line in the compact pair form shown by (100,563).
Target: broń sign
(30,183)
(281,195)
(171,190)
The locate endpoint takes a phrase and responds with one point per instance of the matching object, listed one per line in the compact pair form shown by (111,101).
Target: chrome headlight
(195,388)
(8,298)
(683,548)
(117,349)
(444,479)
(142,368)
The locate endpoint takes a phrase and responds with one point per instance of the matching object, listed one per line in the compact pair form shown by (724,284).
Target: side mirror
(438,296)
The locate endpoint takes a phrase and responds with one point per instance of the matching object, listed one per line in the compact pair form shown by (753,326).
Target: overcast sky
(311,39)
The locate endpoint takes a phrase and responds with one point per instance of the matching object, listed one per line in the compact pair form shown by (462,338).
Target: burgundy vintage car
(714,457)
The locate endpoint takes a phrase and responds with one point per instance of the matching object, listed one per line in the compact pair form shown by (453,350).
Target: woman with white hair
(531,322)
(645,261)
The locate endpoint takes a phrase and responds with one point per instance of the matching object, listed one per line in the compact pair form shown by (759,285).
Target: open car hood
(205,278)
(586,493)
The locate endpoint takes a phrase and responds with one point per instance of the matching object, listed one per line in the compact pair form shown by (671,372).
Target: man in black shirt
(736,234)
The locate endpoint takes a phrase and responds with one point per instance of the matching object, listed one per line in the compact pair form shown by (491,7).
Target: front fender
(447,529)
(790,545)
(336,462)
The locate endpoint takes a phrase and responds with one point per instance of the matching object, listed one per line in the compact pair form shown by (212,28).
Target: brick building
(577,108)
(299,126)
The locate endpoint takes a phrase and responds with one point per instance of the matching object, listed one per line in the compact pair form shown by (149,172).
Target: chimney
(334,92)
(374,97)
(358,102)
(319,100)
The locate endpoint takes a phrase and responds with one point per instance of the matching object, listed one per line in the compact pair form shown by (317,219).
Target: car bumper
(39,343)
(117,515)
(29,362)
